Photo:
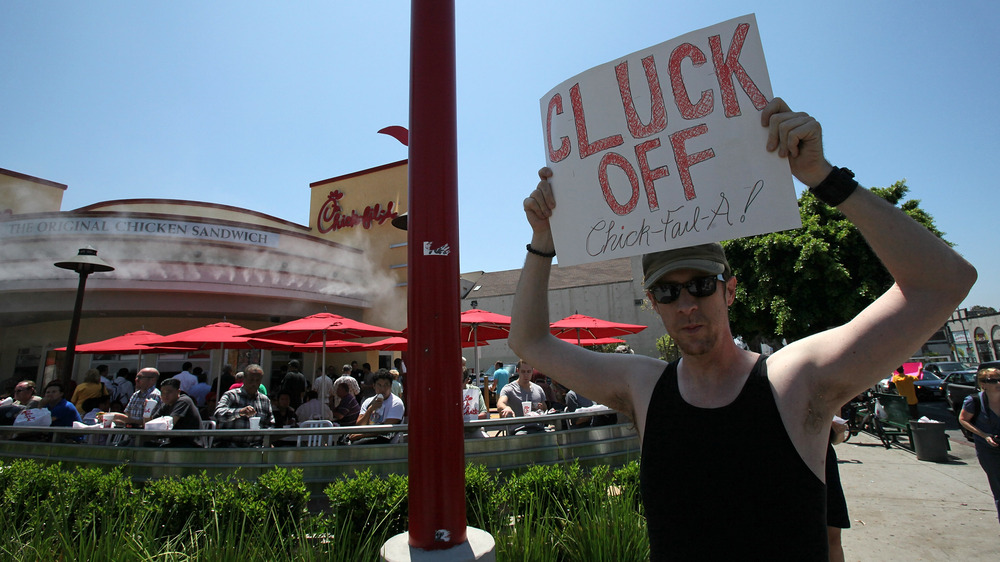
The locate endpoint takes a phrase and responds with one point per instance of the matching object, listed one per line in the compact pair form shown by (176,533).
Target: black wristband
(837,187)
(538,253)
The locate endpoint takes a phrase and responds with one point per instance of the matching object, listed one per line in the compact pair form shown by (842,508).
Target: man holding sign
(734,444)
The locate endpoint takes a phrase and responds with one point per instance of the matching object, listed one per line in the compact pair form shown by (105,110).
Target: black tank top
(727,483)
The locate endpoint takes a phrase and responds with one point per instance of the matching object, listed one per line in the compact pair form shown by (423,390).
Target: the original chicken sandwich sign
(664,149)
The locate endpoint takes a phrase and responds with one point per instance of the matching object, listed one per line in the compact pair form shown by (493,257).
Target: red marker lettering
(726,68)
(582,140)
(564,144)
(681,97)
(685,160)
(650,175)
(602,175)
(658,114)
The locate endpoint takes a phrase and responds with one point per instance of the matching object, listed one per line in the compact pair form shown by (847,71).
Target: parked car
(930,387)
(957,386)
(945,368)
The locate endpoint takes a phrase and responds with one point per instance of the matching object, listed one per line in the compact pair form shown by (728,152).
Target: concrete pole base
(480,547)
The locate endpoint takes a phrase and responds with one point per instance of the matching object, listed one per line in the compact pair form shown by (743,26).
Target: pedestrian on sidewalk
(837,518)
(905,388)
(981,416)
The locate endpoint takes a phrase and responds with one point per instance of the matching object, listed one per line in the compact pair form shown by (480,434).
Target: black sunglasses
(666,293)
(989,381)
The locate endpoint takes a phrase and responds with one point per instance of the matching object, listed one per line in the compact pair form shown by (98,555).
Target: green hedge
(543,513)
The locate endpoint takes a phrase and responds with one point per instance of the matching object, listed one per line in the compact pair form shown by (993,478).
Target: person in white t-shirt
(383,408)
(323,385)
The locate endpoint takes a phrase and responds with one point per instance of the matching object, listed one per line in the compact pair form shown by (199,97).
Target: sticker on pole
(430,250)
(664,149)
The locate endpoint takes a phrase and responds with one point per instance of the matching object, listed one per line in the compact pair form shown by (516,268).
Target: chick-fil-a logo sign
(663,148)
(332,216)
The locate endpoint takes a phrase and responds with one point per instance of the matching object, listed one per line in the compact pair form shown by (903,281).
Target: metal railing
(612,445)
(273,434)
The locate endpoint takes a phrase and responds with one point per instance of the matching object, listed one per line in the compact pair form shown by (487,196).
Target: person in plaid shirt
(145,389)
(237,406)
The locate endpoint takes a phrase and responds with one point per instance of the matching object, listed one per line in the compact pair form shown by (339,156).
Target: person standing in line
(294,383)
(102,370)
(187,379)
(201,389)
(121,389)
(323,385)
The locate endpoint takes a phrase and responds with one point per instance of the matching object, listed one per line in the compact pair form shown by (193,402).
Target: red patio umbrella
(314,347)
(591,341)
(321,327)
(131,342)
(399,343)
(220,335)
(581,326)
(483,325)
(213,336)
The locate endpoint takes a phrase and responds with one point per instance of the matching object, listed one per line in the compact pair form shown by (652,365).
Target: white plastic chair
(206,440)
(314,440)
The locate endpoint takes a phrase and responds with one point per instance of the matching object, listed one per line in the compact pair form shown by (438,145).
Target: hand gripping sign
(664,149)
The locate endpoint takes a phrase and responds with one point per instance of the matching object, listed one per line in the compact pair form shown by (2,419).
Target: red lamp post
(436,439)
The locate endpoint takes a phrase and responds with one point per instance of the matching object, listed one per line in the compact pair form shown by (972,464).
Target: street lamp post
(85,263)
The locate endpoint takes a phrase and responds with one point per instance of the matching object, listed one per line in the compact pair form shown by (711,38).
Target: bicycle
(860,416)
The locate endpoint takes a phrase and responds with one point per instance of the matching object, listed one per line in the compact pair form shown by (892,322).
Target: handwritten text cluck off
(639,165)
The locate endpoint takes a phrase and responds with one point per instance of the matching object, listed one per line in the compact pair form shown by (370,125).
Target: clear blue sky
(245,103)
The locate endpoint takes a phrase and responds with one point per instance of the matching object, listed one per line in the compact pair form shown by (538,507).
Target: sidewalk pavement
(902,508)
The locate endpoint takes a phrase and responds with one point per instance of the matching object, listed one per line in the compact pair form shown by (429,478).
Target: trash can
(930,441)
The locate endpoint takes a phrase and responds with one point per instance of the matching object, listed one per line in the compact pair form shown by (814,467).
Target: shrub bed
(543,513)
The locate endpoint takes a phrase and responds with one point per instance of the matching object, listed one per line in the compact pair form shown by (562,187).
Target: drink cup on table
(255,422)
(526,406)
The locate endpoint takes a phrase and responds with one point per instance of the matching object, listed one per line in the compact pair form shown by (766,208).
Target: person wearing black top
(294,383)
(182,409)
(753,487)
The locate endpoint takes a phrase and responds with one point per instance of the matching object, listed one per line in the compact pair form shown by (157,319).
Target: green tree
(979,310)
(668,348)
(799,282)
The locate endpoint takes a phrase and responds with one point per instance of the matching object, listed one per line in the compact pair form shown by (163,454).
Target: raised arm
(530,339)
(931,279)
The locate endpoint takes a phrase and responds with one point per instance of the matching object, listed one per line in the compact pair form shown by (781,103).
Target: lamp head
(85,262)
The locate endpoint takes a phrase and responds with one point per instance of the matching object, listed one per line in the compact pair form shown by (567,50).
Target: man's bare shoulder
(636,375)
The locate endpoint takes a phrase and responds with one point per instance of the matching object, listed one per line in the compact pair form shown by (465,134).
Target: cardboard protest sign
(664,149)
